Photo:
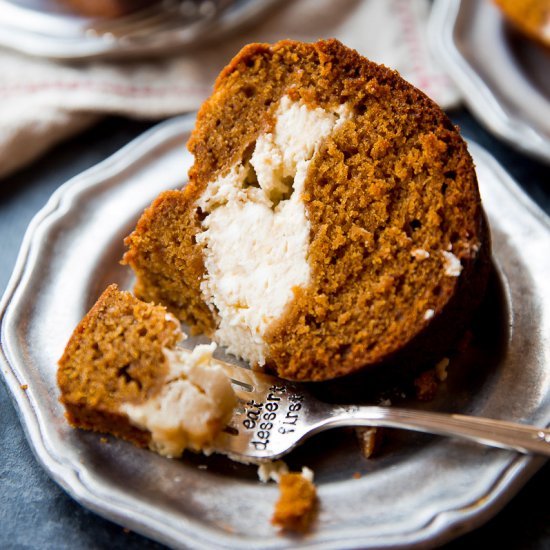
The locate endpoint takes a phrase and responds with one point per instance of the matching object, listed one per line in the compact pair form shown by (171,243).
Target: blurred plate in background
(46,28)
(503,76)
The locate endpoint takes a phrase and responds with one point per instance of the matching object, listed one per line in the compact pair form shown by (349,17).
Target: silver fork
(274,416)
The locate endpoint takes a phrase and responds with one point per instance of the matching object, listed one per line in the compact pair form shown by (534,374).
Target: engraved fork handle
(496,433)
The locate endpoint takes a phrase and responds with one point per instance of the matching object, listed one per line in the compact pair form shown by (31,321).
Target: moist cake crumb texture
(382,218)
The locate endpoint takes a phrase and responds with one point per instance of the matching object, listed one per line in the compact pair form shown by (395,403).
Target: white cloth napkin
(43,102)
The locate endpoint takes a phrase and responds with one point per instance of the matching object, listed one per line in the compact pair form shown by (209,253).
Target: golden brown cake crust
(115,356)
(394,180)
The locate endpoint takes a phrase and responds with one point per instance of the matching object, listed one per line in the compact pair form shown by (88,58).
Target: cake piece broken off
(122,373)
(332,222)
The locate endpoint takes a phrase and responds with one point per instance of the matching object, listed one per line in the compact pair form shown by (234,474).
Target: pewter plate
(45,28)
(504,77)
(420,491)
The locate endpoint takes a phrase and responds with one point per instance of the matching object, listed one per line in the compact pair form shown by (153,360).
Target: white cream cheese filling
(256,232)
(191,408)
(452,266)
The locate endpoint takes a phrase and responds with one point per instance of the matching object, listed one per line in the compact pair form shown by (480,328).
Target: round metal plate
(504,77)
(421,490)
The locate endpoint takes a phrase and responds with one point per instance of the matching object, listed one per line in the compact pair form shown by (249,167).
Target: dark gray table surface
(37,514)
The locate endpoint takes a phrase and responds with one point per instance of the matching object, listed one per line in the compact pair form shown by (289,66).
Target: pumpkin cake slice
(332,222)
(122,373)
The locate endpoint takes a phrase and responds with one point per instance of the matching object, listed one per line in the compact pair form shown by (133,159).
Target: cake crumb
(307,473)
(452,266)
(441,369)
(356,475)
(370,440)
(420,254)
(426,385)
(295,510)
(24,387)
